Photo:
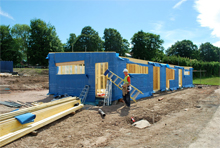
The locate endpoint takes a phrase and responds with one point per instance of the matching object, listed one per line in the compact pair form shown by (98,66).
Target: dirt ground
(176,121)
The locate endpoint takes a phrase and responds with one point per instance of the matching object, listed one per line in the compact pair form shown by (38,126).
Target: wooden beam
(12,124)
(70,63)
(34,108)
(73,69)
(15,135)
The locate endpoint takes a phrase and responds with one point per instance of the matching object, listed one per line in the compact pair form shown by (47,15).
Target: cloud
(217,44)
(172,36)
(209,16)
(178,4)
(5,14)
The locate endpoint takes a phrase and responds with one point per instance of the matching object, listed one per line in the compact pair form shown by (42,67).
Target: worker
(126,88)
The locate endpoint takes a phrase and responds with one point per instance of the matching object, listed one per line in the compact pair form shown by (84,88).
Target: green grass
(207,81)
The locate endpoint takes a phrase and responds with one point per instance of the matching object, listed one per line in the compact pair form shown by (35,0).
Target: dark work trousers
(126,98)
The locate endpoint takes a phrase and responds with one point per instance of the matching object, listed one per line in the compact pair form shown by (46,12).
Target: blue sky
(173,20)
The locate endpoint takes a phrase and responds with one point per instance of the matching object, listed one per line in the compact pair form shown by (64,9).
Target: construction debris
(160,99)
(141,124)
(4,89)
(10,104)
(101,112)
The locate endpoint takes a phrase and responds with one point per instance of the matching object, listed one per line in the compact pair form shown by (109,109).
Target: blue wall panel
(174,84)
(73,84)
(6,66)
(188,79)
(162,78)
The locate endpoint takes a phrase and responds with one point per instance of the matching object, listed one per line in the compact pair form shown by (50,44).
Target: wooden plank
(83,69)
(180,77)
(103,77)
(98,76)
(154,78)
(73,69)
(61,70)
(158,78)
(78,69)
(12,124)
(34,108)
(70,63)
(15,135)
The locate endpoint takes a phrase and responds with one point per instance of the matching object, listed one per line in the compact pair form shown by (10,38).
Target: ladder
(108,93)
(118,81)
(84,93)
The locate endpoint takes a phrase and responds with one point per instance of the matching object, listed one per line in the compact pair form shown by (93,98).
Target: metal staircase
(83,94)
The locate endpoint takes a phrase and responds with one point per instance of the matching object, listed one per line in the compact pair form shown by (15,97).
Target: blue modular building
(70,72)
(6,66)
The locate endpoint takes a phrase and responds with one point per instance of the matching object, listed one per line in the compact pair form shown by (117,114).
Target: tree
(146,45)
(88,40)
(21,34)
(70,43)
(114,41)
(9,48)
(208,52)
(125,47)
(43,39)
(184,48)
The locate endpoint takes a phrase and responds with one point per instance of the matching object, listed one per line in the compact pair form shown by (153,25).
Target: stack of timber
(11,129)
(4,89)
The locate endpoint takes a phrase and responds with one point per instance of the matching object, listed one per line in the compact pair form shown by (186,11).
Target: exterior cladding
(174,84)
(73,84)
(6,66)
(162,78)
(188,79)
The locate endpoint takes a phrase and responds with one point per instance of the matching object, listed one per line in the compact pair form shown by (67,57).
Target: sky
(173,20)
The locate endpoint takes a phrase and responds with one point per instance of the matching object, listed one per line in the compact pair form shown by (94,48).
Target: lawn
(208,81)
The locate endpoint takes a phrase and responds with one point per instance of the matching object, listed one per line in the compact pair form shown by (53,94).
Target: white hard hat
(125,70)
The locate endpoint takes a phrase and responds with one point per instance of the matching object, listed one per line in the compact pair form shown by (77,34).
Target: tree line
(31,44)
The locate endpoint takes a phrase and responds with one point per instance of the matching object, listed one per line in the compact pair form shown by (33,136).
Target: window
(186,72)
(134,68)
(76,67)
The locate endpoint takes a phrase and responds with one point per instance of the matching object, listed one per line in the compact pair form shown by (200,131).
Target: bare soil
(176,120)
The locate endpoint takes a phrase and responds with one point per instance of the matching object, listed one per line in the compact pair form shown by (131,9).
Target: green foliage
(114,41)
(9,46)
(70,43)
(89,40)
(21,34)
(43,39)
(208,52)
(184,48)
(212,68)
(146,45)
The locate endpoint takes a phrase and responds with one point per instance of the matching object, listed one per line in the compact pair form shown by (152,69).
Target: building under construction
(70,72)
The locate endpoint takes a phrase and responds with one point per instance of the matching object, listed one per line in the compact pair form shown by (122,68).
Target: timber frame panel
(134,68)
(156,78)
(100,78)
(169,76)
